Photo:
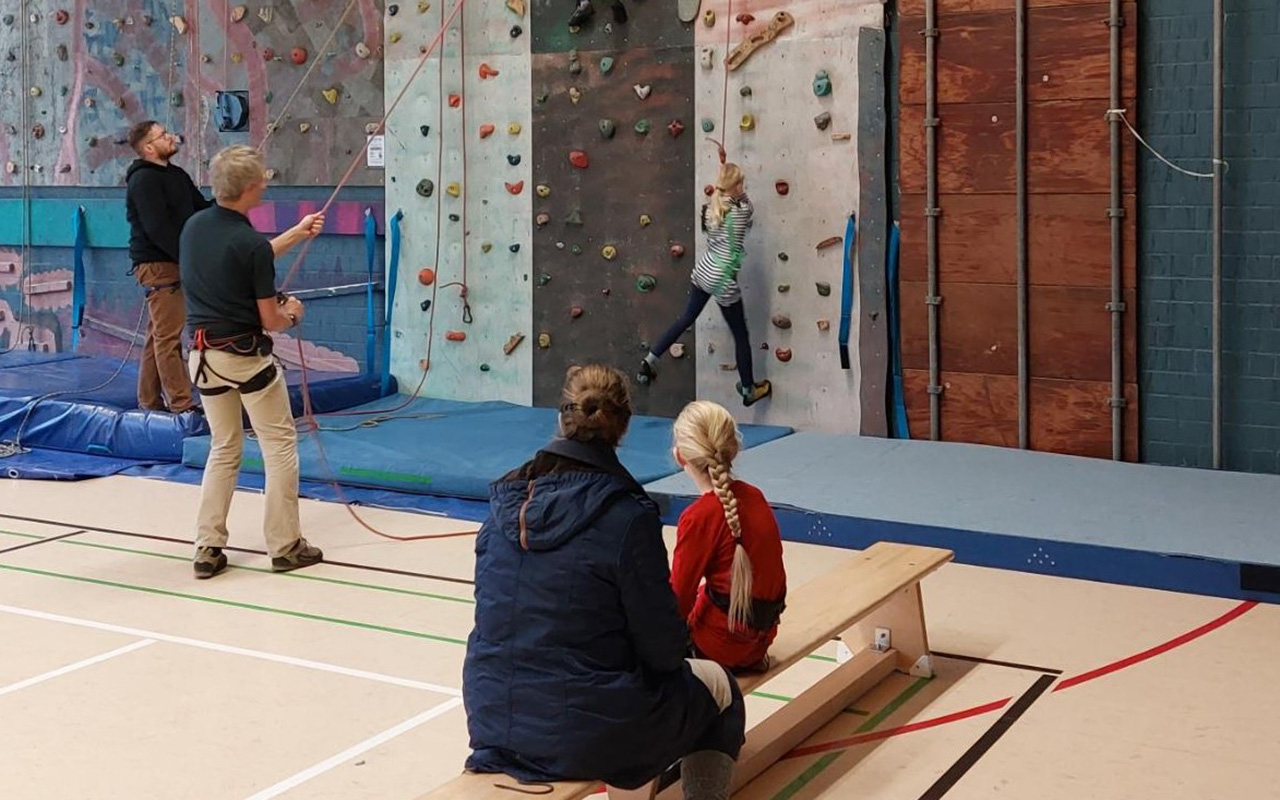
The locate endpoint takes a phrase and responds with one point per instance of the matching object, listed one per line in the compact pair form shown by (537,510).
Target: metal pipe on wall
(1217,234)
(1024,376)
(1116,213)
(931,210)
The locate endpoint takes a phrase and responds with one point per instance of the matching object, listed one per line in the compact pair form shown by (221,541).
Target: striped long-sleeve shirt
(717,269)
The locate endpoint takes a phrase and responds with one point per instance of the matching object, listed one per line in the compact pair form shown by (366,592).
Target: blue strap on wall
(846,291)
(897,401)
(77,280)
(393,269)
(370,251)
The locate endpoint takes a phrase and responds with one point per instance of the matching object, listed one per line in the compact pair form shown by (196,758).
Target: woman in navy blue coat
(576,667)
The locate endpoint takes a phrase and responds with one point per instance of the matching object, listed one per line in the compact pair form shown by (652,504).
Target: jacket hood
(550,510)
(140,164)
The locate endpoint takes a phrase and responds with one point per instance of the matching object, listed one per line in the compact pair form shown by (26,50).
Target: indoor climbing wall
(75,76)
(458,159)
(614,141)
(789,115)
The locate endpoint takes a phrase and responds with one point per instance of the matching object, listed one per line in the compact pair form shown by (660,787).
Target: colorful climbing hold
(515,31)
(781,321)
(517,7)
(61,17)
(783,354)
(426,276)
(392,10)
(362,50)
(676,350)
(486,130)
(513,159)
(515,188)
(677,250)
(706,57)
(745,19)
(544,340)
(298,55)
(303,127)
(575,66)
(782,187)
(709,18)
(606,65)
(822,83)
(453,189)
(675,128)
(783,257)
(238,13)
(454,100)
(579,159)
(118,59)
(37,131)
(646,283)
(823,120)
(783,288)
(576,249)
(331,96)
(423,6)
(574,218)
(456,336)
(642,127)
(543,190)
(542,219)
(824,288)
(708,125)
(394,37)
(515,248)
(708,190)
(268,54)
(745,91)
(454,218)
(179,24)
(484,367)
(748,122)
(575,94)
(486,247)
(425,130)
(607,128)
(514,128)
(824,324)
(35,91)
(830,241)
(642,92)
(609,252)
(575,312)
(487,71)
(512,343)
(645,220)
(841,137)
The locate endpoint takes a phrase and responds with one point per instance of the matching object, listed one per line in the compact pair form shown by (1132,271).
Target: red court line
(1084,677)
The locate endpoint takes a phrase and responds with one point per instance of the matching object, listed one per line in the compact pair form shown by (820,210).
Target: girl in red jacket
(727,569)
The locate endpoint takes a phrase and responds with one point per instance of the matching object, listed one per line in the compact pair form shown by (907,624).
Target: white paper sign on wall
(376,155)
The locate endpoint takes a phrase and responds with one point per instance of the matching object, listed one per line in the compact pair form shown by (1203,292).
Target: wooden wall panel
(915,8)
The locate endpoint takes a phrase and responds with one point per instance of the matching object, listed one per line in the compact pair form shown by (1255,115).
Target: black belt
(764,613)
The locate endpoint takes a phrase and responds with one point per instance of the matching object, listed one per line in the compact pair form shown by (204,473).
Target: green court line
(816,768)
(402,477)
(24,535)
(236,604)
(781,698)
(294,575)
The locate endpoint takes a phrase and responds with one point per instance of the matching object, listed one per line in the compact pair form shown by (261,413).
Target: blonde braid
(741,579)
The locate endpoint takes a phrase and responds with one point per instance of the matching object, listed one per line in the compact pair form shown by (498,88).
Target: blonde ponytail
(707,438)
(730,177)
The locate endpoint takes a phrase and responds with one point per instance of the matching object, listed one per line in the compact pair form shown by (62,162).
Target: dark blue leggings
(733,315)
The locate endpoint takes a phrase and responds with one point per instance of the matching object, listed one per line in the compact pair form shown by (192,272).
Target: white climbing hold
(642,91)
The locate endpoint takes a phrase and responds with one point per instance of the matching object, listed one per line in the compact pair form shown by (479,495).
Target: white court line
(239,651)
(355,750)
(88,662)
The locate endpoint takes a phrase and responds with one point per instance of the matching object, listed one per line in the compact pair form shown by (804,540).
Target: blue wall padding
(455,449)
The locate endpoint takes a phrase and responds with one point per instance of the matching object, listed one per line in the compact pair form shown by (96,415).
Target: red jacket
(704,551)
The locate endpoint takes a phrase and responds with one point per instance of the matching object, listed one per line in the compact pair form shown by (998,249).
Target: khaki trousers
(272,421)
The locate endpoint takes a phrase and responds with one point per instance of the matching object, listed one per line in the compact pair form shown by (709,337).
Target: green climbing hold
(642,127)
(606,65)
(574,218)
(708,125)
(269,97)
(455,218)
(544,97)
(822,83)
(646,283)
(607,128)
(576,249)
(544,279)
(484,367)
(824,288)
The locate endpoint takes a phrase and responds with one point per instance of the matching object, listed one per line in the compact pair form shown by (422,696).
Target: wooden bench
(871,602)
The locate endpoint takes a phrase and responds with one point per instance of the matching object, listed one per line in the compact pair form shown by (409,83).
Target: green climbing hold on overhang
(822,83)
(646,283)
(708,125)
(606,65)
(642,127)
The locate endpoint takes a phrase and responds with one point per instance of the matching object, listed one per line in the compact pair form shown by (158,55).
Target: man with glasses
(160,198)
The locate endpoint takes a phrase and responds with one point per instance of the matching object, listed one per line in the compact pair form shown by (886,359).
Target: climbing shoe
(302,554)
(581,14)
(646,374)
(758,392)
(209,561)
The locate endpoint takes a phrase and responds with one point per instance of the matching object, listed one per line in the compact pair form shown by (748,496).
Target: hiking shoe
(646,374)
(302,554)
(581,14)
(758,392)
(209,561)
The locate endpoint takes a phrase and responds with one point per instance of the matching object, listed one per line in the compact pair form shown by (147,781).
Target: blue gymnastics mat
(87,410)
(454,449)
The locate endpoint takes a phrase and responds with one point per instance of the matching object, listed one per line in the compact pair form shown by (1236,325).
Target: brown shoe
(302,554)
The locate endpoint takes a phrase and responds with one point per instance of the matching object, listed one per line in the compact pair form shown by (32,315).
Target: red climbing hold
(575,312)
(708,190)
(783,354)
(456,336)
(486,130)
(677,250)
(783,187)
(298,55)
(454,100)
(426,276)
(579,159)
(515,188)
(268,54)
(487,71)
(746,19)
(61,17)
(675,128)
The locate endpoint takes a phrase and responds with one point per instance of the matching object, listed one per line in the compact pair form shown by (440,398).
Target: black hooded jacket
(158,202)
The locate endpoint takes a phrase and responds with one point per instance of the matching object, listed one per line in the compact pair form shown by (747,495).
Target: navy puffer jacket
(575,668)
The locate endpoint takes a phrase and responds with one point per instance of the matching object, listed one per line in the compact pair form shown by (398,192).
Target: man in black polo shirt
(159,200)
(229,281)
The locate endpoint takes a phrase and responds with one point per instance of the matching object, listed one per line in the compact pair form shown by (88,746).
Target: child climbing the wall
(727,569)
(724,220)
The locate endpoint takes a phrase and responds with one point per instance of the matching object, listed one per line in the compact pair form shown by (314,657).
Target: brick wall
(1175,105)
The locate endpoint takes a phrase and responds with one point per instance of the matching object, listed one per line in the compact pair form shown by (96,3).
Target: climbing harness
(249,344)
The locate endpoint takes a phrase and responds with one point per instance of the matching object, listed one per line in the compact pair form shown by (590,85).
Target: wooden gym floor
(123,677)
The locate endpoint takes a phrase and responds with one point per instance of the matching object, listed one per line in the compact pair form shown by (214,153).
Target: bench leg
(646,792)
(903,616)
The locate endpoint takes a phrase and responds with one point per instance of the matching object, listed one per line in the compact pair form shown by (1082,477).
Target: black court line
(994,663)
(42,541)
(175,540)
(979,748)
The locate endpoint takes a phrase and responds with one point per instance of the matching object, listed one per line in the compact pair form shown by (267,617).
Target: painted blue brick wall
(1175,114)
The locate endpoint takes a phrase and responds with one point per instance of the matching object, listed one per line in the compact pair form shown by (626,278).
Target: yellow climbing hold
(514,129)
(748,122)
(236,58)
(331,95)
(394,37)
(486,247)
(543,190)
(709,18)
(303,127)
(179,24)
(517,7)
(453,189)
(609,252)
(238,13)
(424,7)
(645,220)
